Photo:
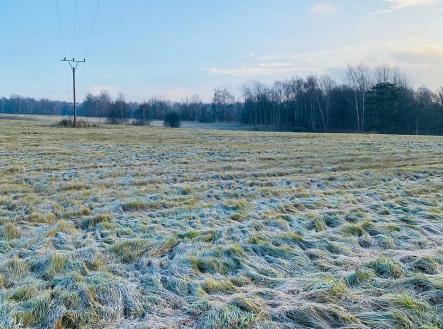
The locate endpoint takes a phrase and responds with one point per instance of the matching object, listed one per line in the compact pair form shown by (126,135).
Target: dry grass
(136,227)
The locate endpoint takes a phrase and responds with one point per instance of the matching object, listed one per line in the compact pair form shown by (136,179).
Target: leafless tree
(352,77)
(390,74)
(327,85)
(364,82)
(440,95)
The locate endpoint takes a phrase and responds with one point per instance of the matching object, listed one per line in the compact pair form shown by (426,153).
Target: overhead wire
(74,28)
(60,27)
(91,31)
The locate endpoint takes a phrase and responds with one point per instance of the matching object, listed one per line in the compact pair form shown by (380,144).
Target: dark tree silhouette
(172,120)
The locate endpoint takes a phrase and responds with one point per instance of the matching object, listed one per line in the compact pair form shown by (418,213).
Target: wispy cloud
(323,8)
(422,63)
(303,63)
(254,69)
(395,5)
(426,56)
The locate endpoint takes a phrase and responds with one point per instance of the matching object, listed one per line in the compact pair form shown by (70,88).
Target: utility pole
(73,63)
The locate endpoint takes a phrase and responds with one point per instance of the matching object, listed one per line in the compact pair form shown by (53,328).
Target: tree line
(377,100)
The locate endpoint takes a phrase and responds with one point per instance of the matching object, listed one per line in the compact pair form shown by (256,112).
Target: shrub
(172,120)
(68,123)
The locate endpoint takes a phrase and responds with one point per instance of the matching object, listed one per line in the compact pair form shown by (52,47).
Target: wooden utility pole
(73,63)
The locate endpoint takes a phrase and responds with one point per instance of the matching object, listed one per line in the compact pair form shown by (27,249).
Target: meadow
(147,227)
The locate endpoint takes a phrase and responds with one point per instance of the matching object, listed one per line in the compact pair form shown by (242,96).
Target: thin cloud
(323,8)
(304,63)
(395,5)
(254,69)
(422,63)
(427,55)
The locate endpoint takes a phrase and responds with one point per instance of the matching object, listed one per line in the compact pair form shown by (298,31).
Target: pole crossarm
(73,63)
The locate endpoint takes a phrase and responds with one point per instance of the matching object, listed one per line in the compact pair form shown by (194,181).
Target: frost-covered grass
(129,227)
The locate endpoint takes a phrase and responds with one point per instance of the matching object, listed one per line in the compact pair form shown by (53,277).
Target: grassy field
(130,227)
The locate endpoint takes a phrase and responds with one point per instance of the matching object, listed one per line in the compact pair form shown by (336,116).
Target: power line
(92,27)
(74,28)
(60,26)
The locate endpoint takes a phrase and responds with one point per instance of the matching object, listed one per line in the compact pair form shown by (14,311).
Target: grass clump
(413,312)
(212,286)
(321,316)
(207,236)
(221,260)
(208,265)
(277,248)
(15,268)
(186,190)
(130,250)
(248,305)
(214,265)
(69,320)
(41,218)
(188,235)
(352,230)
(2,281)
(75,186)
(360,276)
(56,263)
(406,301)
(318,225)
(9,231)
(105,218)
(14,169)
(62,226)
(68,123)
(97,263)
(34,312)
(240,209)
(227,317)
(135,205)
(387,268)
(163,248)
(23,293)
(292,237)
(326,289)
(426,265)
(237,205)
(238,216)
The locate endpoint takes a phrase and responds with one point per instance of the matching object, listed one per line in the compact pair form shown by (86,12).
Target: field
(127,227)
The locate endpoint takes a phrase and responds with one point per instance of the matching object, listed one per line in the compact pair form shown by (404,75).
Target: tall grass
(150,227)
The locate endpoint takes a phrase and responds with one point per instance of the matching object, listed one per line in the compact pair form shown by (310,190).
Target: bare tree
(327,85)
(223,102)
(390,74)
(364,82)
(352,78)
(104,104)
(440,95)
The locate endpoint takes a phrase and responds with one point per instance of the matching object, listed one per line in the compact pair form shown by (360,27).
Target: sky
(174,49)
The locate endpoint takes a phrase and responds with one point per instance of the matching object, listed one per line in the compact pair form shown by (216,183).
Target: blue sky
(177,48)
